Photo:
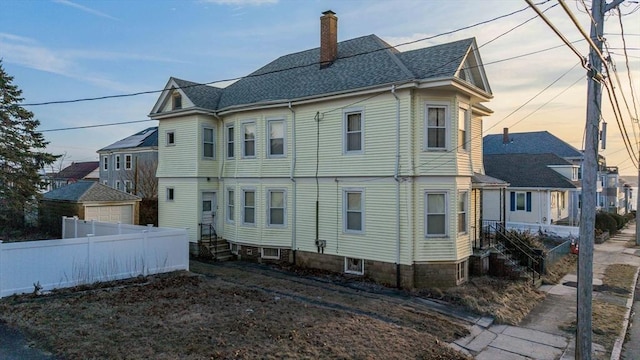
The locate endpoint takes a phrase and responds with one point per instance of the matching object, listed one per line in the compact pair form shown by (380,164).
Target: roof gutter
(293,180)
(397,179)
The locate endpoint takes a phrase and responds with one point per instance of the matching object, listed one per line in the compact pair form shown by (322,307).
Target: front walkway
(539,336)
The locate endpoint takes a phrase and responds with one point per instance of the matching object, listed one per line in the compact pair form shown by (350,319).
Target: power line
(279,70)
(95,126)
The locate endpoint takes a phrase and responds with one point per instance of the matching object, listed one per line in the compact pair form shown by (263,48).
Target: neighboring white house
(351,157)
(540,186)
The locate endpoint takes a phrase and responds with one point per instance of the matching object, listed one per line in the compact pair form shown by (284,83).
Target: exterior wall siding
(182,158)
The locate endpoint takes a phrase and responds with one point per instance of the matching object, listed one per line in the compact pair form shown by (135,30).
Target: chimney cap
(328,12)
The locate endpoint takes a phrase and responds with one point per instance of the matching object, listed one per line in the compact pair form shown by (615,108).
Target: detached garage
(87,200)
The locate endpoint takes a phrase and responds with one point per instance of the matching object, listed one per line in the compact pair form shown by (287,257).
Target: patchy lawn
(236,311)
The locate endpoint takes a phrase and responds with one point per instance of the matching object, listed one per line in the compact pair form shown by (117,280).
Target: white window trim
(284,212)
(345,114)
(166,136)
(117,183)
(255,200)
(128,184)
(345,192)
(117,162)
(228,141)
(524,194)
(465,145)
(105,162)
(284,138)
(447,115)
(346,267)
(170,190)
(262,255)
(446,213)
(255,139)
(130,162)
(213,142)
(466,212)
(226,206)
(105,182)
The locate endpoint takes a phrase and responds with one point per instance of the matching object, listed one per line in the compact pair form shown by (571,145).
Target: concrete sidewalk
(539,335)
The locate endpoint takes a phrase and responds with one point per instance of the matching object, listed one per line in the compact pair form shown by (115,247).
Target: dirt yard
(233,312)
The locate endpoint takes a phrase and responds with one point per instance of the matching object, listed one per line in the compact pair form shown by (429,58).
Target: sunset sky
(67,50)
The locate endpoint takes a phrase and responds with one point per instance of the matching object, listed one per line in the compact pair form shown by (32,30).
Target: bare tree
(144,182)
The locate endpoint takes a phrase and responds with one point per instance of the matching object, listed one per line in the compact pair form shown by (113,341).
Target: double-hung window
(249,140)
(249,207)
(276,203)
(462,212)
(176,103)
(520,201)
(462,130)
(127,162)
(276,146)
(231,205)
(170,194)
(353,210)
(353,141)
(436,127)
(208,143)
(128,187)
(171,137)
(117,162)
(230,135)
(435,214)
(105,162)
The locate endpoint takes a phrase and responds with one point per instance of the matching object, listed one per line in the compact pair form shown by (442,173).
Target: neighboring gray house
(540,186)
(129,165)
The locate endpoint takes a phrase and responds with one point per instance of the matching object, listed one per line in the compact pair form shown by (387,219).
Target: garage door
(111,213)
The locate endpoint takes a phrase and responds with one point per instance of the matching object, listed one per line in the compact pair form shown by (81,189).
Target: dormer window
(176,100)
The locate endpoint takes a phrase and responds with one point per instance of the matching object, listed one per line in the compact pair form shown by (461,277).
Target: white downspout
(293,180)
(397,179)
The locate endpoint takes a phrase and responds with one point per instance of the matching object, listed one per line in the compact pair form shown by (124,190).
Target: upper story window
(249,140)
(520,201)
(171,137)
(276,130)
(462,129)
(127,162)
(117,162)
(170,194)
(105,162)
(208,143)
(231,137)
(435,214)
(462,212)
(353,210)
(118,185)
(353,141)
(436,127)
(176,100)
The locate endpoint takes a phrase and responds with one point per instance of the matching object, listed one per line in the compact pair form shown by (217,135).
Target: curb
(617,346)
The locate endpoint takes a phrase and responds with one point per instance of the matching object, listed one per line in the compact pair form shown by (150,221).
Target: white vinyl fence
(89,252)
(551,230)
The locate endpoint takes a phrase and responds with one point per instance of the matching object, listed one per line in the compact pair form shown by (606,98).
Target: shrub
(620,220)
(606,222)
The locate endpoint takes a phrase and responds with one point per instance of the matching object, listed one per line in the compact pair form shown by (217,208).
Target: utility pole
(589,180)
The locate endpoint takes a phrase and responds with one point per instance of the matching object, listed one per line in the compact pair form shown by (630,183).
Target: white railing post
(145,261)
(64,223)
(75,227)
(89,278)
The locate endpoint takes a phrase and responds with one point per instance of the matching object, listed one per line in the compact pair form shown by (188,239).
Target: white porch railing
(110,252)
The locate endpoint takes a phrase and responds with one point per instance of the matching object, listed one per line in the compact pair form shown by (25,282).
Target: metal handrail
(533,260)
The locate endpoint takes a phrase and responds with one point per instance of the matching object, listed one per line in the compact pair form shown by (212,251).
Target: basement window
(234,248)
(461,272)
(271,253)
(353,266)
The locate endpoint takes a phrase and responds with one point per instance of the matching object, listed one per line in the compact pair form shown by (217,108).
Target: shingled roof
(537,142)
(88,191)
(528,170)
(77,170)
(361,63)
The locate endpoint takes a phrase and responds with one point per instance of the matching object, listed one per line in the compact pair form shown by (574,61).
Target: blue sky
(71,49)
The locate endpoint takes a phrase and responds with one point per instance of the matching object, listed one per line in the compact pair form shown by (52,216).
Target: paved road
(631,348)
(14,346)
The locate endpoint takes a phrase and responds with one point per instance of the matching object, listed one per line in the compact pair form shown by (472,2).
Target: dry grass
(507,301)
(567,265)
(620,276)
(233,313)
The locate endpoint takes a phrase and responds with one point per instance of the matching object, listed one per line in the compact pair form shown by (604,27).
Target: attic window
(176,99)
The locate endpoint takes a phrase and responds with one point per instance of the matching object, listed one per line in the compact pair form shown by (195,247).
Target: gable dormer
(181,97)
(471,70)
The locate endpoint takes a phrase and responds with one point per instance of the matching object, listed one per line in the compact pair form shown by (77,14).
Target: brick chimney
(505,136)
(328,38)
